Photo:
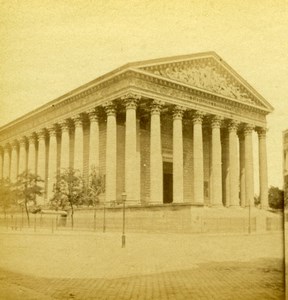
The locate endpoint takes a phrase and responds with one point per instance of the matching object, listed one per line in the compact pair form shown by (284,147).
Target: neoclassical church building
(169,130)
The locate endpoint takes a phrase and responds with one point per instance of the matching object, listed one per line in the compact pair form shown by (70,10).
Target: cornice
(104,89)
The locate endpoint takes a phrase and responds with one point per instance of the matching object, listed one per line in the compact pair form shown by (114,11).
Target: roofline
(132,66)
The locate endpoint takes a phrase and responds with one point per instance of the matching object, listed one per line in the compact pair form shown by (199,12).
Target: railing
(109,219)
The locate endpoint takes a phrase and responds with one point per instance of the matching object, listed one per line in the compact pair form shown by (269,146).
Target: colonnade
(37,152)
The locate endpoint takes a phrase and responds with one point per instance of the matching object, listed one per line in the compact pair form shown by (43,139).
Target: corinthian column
(249,176)
(41,169)
(52,162)
(198,163)
(78,143)
(216,162)
(132,185)
(22,155)
(233,164)
(263,176)
(156,164)
(6,163)
(14,162)
(94,140)
(111,154)
(178,193)
(1,162)
(65,146)
(32,154)
(242,168)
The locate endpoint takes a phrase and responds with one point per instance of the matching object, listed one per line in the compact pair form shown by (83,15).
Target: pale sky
(51,47)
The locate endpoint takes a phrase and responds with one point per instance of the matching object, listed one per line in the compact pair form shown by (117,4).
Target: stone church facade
(171,130)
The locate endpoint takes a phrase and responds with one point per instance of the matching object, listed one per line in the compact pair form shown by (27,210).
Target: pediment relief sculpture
(207,75)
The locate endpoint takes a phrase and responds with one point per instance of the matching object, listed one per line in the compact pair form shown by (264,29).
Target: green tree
(26,190)
(276,197)
(68,191)
(96,187)
(6,194)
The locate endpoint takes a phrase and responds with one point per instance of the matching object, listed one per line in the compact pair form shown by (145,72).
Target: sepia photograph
(143,149)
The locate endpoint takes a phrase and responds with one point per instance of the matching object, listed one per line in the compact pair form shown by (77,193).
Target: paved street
(173,266)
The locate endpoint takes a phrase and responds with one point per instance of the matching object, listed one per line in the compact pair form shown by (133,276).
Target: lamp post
(124,195)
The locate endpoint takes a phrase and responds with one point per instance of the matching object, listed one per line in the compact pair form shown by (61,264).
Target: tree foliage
(26,190)
(276,197)
(96,187)
(68,191)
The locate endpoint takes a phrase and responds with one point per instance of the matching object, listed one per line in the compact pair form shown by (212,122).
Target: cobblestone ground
(73,266)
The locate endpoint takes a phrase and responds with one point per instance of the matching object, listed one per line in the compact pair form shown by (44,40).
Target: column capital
(32,138)
(131,100)
(155,107)
(64,125)
(248,128)
(178,112)
(93,114)
(216,121)
(77,119)
(197,117)
(14,144)
(42,134)
(52,131)
(261,132)
(110,108)
(22,141)
(7,147)
(233,125)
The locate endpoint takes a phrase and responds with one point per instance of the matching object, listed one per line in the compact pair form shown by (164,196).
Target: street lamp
(124,196)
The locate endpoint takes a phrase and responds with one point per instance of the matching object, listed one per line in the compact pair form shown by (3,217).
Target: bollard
(52,223)
(94,219)
(35,223)
(104,219)
(12,222)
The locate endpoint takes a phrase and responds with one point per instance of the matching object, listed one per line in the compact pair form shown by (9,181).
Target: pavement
(87,265)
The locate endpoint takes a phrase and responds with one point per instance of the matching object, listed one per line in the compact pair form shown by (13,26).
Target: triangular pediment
(207,72)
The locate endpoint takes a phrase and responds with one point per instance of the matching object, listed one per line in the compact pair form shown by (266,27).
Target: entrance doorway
(167,182)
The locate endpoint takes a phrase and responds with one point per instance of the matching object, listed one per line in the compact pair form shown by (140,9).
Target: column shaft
(131,167)
(41,170)
(52,162)
(65,146)
(156,164)
(249,176)
(32,155)
(198,164)
(94,141)
(22,155)
(14,162)
(6,163)
(78,144)
(216,163)
(263,176)
(178,188)
(233,164)
(111,154)
(242,169)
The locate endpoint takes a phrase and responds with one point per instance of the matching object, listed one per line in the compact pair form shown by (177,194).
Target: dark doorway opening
(167,182)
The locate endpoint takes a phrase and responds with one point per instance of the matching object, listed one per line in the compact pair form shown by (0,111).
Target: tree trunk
(27,213)
(72,215)
(94,218)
